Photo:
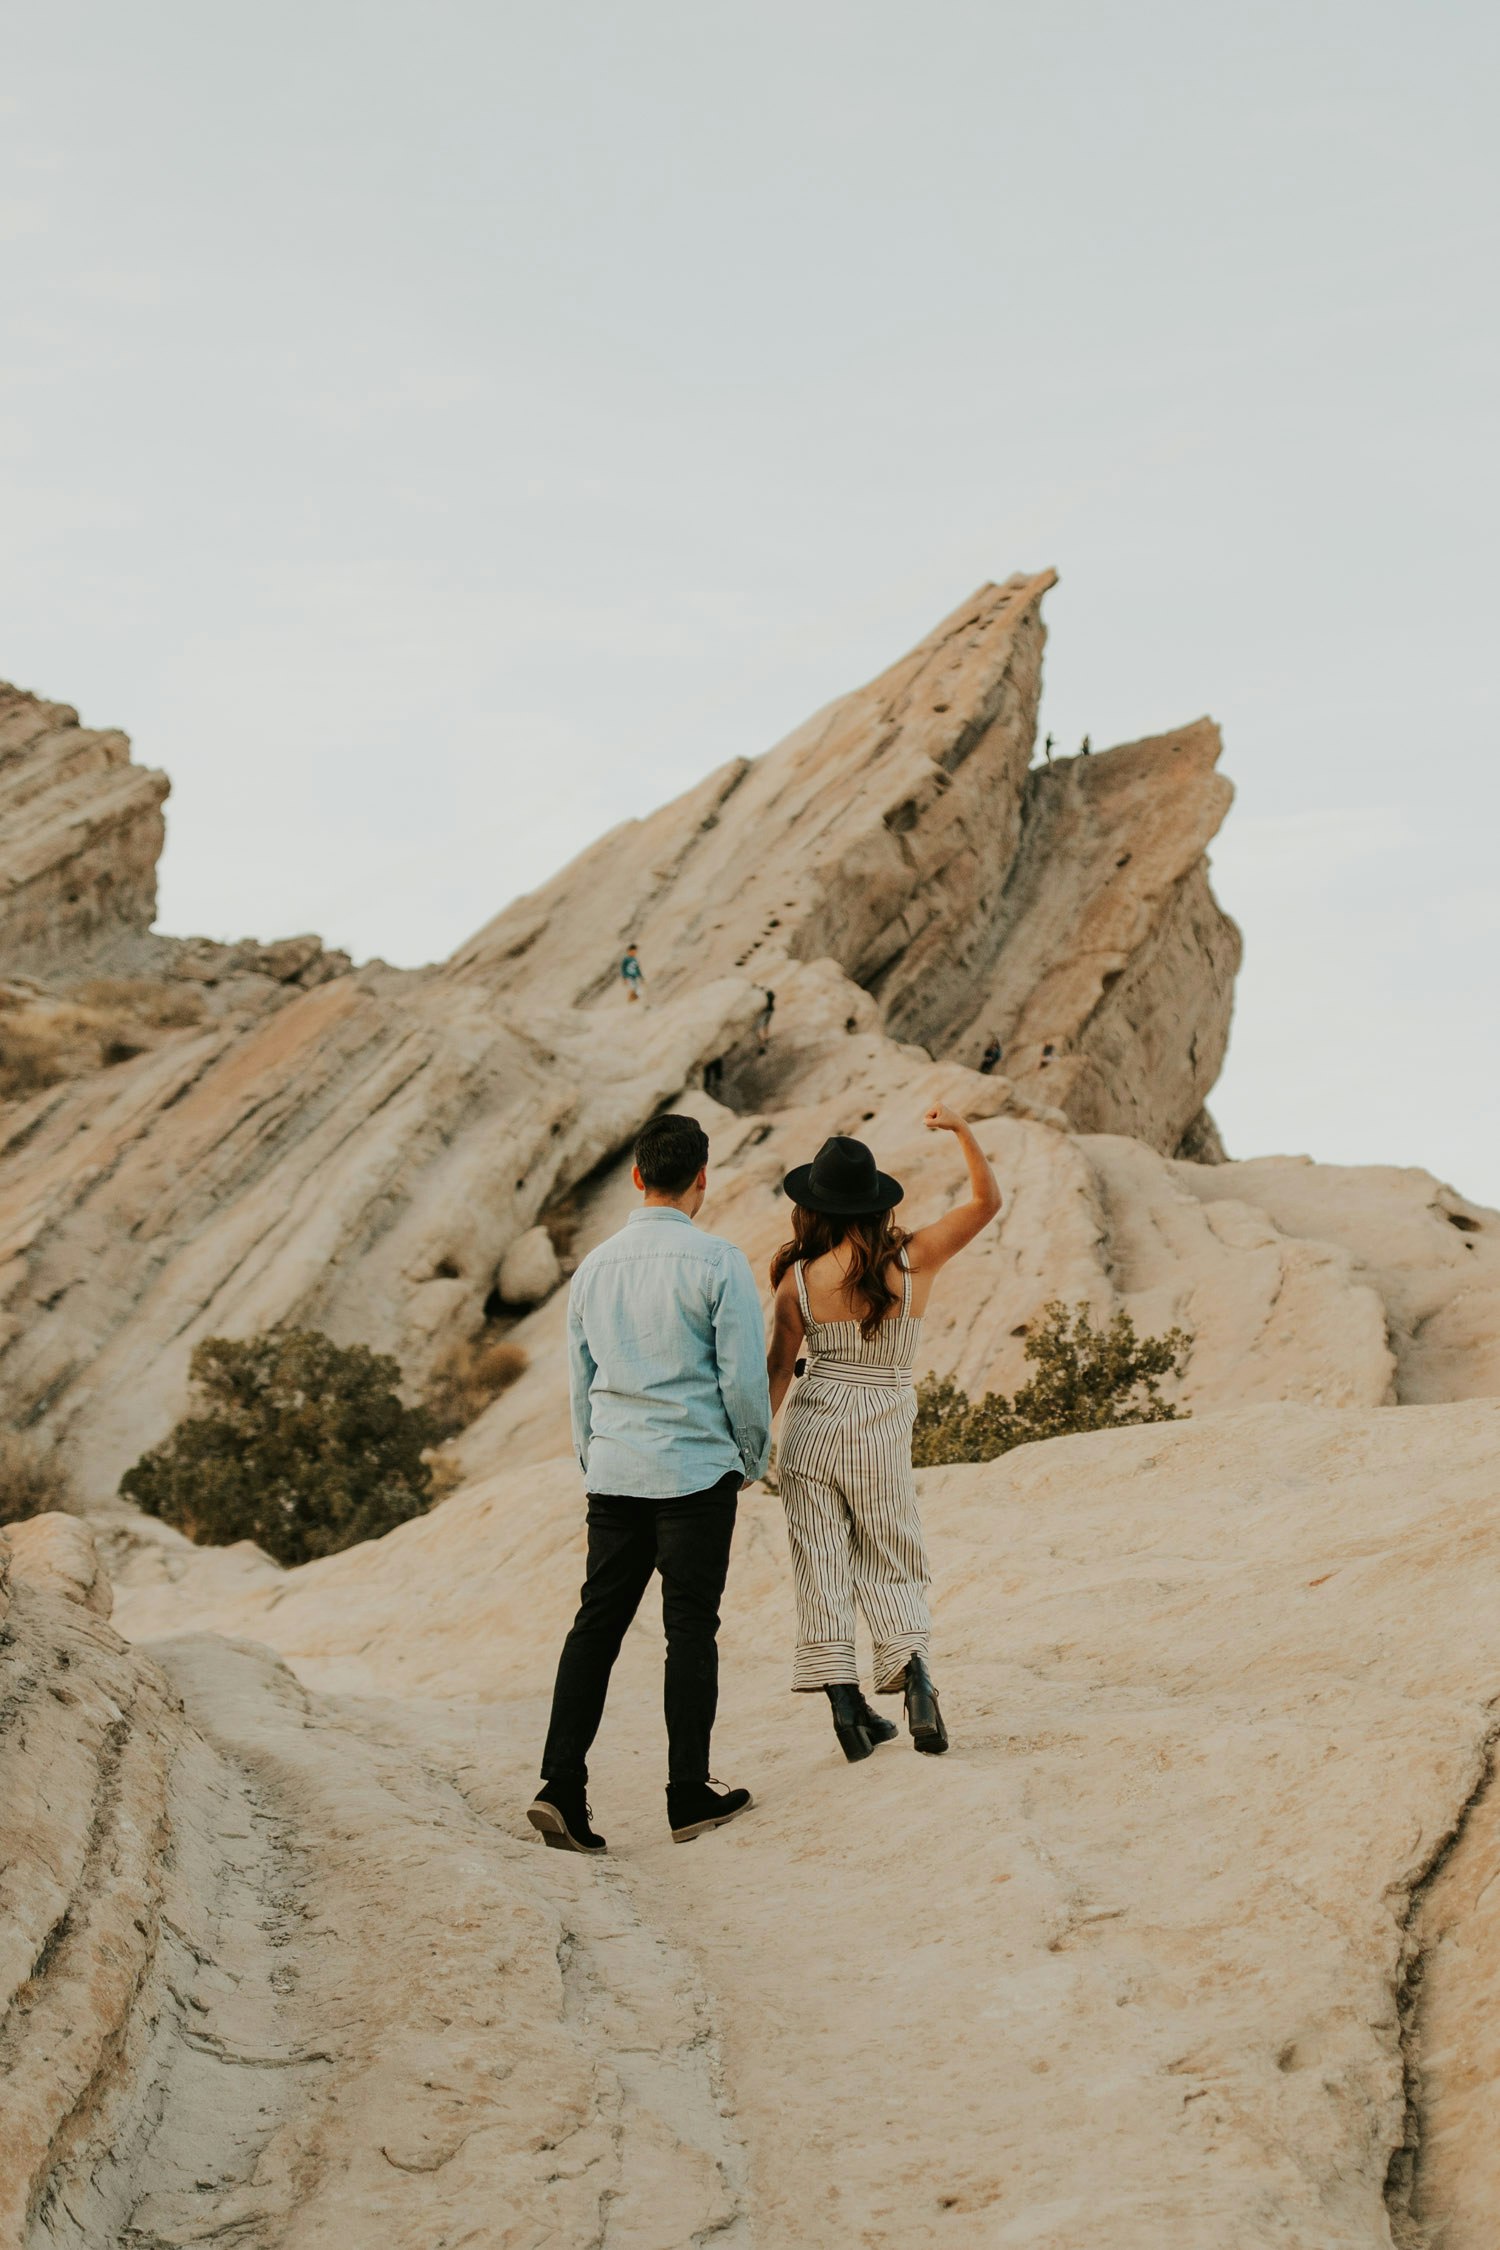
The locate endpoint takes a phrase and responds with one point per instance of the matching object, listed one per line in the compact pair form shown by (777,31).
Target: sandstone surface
(266,1977)
(529,1271)
(1331,1285)
(81,831)
(1190,1939)
(358,1161)
(361,1151)
(1222,1696)
(903,834)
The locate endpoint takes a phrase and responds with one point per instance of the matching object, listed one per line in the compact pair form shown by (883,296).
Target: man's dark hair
(671,1152)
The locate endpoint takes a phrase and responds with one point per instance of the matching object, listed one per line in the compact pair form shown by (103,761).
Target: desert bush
(107,1020)
(1086,1378)
(43,1044)
(470,1374)
(163,1002)
(447,1474)
(303,1445)
(32,1479)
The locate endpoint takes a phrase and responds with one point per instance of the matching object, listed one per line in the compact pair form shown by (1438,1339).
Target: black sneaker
(878,1729)
(693,1811)
(561,1817)
(922,1714)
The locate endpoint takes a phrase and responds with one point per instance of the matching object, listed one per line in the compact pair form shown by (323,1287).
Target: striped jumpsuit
(851,1499)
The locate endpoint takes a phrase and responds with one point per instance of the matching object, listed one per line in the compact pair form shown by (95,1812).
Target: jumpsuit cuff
(823,1664)
(890,1662)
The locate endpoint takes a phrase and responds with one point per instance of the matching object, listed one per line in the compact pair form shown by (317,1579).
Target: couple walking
(673,1398)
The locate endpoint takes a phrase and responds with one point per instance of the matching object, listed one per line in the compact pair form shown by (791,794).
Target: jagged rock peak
(904,834)
(81,831)
(815,849)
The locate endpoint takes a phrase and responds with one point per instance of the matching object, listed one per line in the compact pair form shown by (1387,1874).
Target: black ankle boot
(877,1728)
(695,1809)
(561,1817)
(849,1722)
(922,1714)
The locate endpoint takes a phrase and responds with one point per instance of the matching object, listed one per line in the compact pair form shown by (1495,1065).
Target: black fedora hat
(842,1181)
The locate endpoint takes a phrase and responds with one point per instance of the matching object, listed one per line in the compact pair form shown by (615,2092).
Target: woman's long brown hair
(875,1239)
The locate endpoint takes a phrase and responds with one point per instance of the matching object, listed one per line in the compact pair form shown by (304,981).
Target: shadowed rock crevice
(1440,2184)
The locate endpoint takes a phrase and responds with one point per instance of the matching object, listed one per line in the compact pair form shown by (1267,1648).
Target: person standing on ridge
(1047,748)
(853,1287)
(763,1021)
(1083,748)
(671,1416)
(630,970)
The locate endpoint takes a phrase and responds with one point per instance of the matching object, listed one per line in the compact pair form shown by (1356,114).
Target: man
(631,971)
(671,1415)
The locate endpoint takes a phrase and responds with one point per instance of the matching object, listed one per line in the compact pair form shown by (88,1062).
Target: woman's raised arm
(931,1247)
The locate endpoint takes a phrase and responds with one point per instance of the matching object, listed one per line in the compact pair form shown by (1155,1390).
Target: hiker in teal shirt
(630,970)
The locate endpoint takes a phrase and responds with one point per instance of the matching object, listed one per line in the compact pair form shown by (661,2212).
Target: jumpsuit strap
(799,1270)
(905,1286)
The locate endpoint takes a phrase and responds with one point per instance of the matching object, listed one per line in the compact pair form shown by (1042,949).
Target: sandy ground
(1128,1965)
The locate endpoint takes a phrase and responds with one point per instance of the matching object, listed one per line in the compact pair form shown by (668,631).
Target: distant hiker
(1048,1053)
(630,970)
(670,1418)
(1047,747)
(1083,748)
(993,1053)
(852,1287)
(763,1022)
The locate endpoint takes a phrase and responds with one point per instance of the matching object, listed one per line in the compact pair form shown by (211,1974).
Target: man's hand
(941,1119)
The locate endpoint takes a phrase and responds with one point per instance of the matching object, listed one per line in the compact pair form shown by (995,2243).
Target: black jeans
(688,1541)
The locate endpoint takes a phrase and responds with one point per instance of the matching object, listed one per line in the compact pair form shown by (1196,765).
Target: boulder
(529,1271)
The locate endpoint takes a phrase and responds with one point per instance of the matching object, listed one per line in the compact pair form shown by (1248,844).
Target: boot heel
(848,1723)
(922,1714)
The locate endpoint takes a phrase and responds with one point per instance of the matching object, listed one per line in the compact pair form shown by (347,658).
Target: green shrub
(1086,1378)
(33,1481)
(304,1446)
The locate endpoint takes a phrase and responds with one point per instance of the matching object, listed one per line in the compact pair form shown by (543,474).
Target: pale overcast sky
(437,431)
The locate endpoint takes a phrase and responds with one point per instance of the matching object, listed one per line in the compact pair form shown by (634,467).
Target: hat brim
(799,1188)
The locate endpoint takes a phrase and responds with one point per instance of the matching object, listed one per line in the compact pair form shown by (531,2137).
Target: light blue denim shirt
(667,1361)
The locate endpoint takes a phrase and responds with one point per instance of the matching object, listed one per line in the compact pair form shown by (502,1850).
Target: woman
(853,1286)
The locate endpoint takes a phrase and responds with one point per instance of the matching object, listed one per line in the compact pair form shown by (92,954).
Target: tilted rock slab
(358,1162)
(1333,1285)
(903,834)
(81,831)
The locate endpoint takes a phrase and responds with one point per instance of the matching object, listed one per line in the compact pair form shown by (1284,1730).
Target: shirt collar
(648,1211)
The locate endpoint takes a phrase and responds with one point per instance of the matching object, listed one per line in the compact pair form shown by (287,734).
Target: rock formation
(1227,1702)
(362,1155)
(222,2013)
(1334,1285)
(903,835)
(1211,1864)
(80,834)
